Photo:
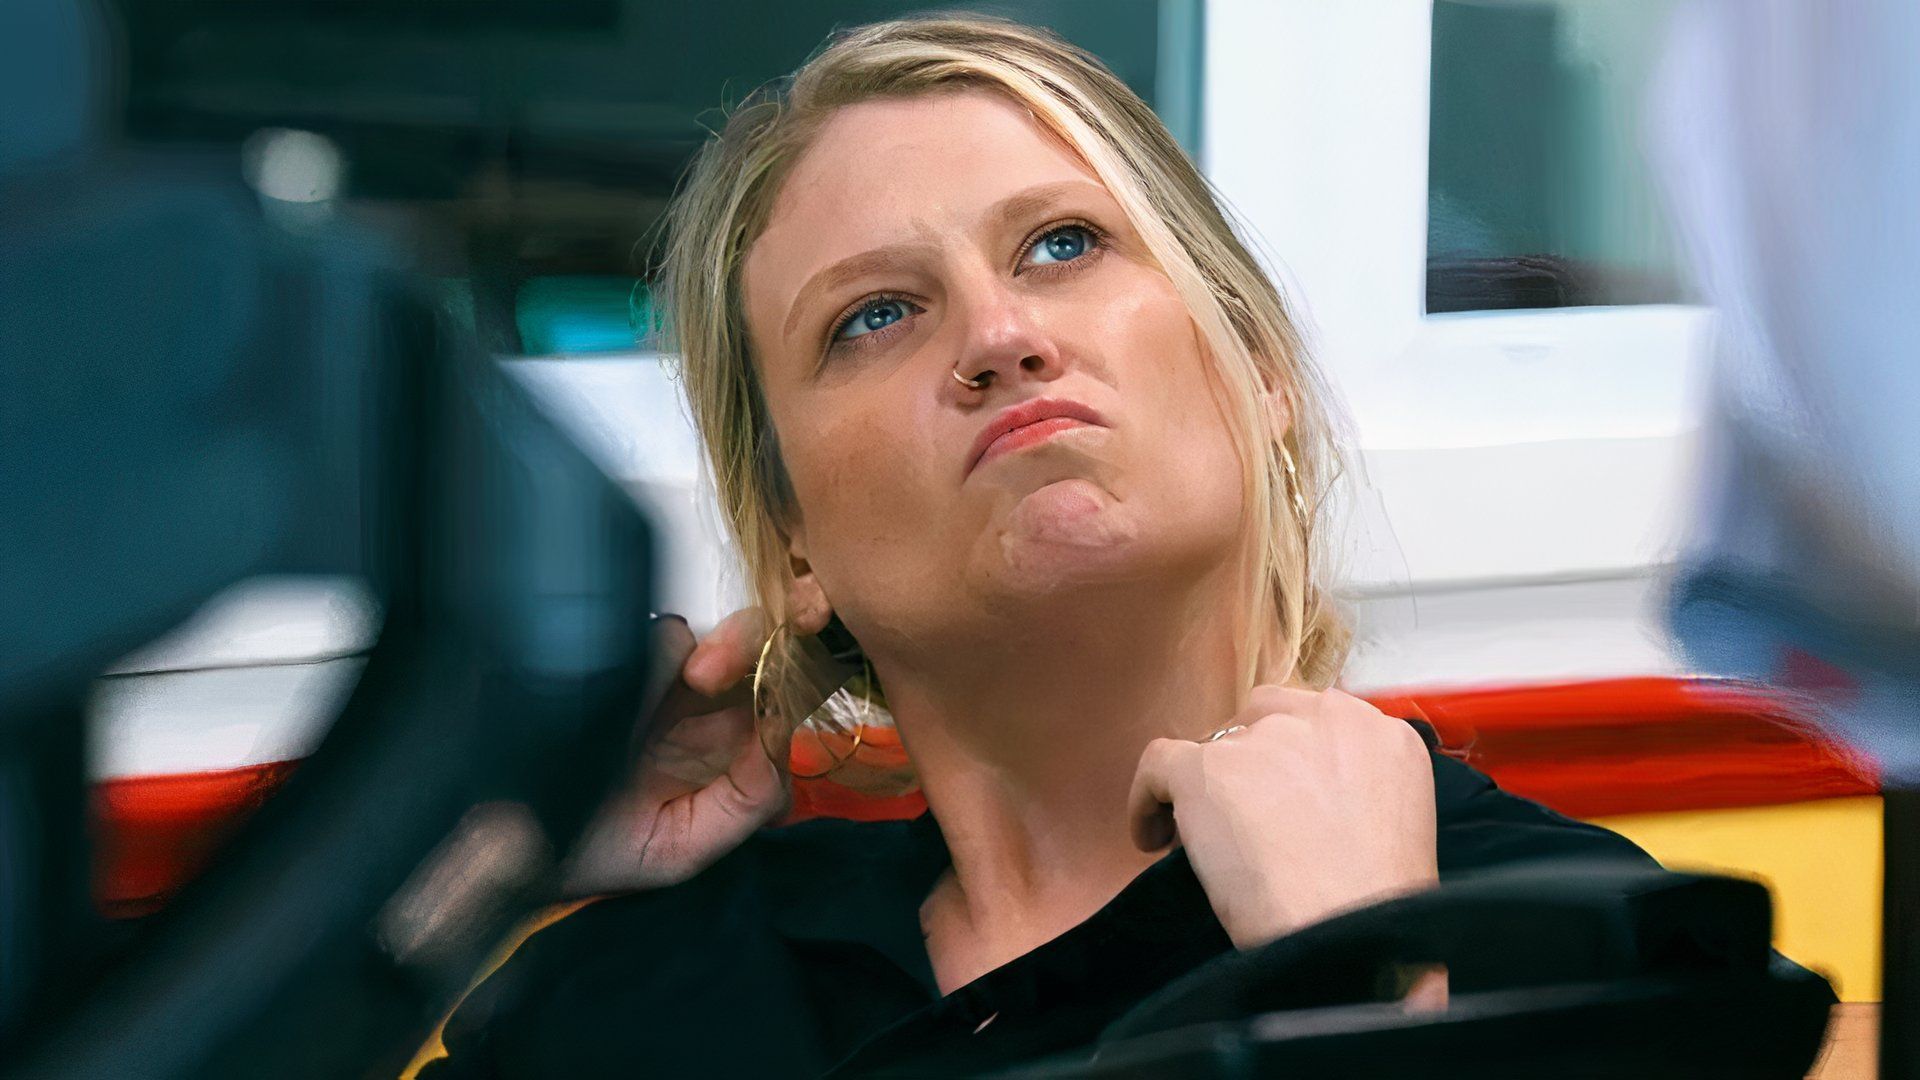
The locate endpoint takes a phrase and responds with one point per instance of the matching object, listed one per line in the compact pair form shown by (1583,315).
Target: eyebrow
(1011,209)
(879,260)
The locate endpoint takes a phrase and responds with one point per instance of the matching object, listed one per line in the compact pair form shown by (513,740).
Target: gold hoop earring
(859,732)
(1293,484)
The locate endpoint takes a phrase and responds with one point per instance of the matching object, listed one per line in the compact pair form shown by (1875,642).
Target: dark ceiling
(553,130)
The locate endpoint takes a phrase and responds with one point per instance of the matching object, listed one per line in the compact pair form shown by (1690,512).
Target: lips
(1028,423)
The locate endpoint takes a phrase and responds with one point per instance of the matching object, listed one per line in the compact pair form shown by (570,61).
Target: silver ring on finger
(1223,733)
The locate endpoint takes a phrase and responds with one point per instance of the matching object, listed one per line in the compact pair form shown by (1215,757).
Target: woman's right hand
(704,783)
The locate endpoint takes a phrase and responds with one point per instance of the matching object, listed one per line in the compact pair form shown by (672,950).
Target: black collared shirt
(800,954)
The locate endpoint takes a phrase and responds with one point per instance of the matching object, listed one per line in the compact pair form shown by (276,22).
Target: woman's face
(923,236)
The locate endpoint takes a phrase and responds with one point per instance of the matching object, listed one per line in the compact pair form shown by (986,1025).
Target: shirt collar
(859,883)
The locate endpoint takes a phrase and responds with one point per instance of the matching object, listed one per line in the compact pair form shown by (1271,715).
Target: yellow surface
(1821,859)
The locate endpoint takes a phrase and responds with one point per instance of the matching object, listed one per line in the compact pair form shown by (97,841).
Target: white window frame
(1504,445)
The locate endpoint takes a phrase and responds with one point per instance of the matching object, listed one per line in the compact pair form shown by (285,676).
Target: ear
(808,609)
(1278,403)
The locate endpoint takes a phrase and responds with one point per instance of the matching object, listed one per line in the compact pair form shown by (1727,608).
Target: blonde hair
(726,198)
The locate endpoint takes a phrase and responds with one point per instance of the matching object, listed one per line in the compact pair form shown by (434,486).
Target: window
(1538,195)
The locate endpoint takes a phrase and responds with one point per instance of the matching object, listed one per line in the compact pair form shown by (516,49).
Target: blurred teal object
(567,315)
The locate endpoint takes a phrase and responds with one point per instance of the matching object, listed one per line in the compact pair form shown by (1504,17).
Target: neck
(1026,743)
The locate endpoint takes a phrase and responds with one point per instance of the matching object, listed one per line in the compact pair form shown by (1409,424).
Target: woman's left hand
(1322,804)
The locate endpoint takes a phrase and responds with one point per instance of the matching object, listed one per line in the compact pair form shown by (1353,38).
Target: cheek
(1189,432)
(836,471)
(1165,362)
(858,475)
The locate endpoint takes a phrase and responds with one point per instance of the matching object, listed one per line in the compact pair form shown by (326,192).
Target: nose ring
(978,382)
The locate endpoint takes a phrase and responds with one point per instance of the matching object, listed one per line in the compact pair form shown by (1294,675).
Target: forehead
(891,169)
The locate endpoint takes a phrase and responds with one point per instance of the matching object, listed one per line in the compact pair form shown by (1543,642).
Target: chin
(1072,535)
(1068,534)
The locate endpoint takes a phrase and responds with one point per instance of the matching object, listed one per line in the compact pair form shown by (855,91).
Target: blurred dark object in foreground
(209,380)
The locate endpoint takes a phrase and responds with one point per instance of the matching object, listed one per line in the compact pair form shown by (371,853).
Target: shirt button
(982,1026)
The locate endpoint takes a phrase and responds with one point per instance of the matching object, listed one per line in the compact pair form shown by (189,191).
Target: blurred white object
(293,166)
(256,675)
(628,413)
(1790,137)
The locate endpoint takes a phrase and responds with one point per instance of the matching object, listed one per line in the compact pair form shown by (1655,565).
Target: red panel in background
(1644,745)
(834,777)
(153,833)
(1587,749)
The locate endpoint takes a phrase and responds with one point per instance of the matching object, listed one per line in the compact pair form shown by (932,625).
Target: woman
(987,379)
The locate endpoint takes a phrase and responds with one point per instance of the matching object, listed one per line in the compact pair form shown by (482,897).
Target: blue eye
(875,316)
(1064,244)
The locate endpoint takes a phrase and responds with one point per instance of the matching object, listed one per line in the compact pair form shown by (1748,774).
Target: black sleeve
(556,993)
(1479,825)
(666,979)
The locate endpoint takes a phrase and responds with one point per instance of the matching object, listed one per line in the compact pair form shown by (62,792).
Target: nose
(1004,345)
